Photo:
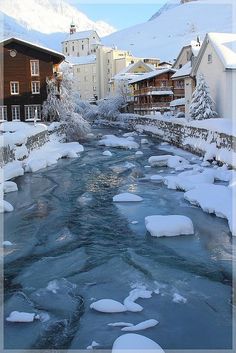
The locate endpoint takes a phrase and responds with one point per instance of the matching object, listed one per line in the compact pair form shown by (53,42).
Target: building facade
(153,92)
(80,43)
(25,69)
(84,74)
(217,62)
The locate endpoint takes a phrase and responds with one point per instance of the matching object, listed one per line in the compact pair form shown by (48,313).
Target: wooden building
(153,92)
(25,67)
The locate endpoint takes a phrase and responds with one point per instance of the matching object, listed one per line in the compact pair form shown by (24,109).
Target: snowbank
(189,180)
(5,206)
(170,161)
(49,154)
(107,153)
(17,132)
(9,186)
(160,226)
(135,294)
(12,170)
(132,342)
(127,197)
(217,199)
(17,316)
(141,326)
(108,306)
(114,141)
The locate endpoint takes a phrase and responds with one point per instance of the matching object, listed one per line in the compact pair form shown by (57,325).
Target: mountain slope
(49,16)
(164,35)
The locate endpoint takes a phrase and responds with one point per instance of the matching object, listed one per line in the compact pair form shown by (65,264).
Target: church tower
(72,28)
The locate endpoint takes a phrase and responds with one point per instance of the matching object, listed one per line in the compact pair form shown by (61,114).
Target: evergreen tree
(202,105)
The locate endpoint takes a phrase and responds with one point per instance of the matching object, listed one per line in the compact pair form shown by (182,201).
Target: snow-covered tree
(64,109)
(52,108)
(202,105)
(110,106)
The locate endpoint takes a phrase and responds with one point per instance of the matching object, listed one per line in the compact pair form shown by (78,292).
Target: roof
(183,71)
(81,60)
(224,45)
(51,52)
(152,74)
(80,35)
(177,102)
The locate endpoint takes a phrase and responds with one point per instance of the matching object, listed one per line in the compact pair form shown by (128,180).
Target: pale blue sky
(120,14)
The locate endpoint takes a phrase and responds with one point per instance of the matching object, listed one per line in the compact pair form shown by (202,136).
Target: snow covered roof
(225,46)
(81,60)
(81,35)
(184,71)
(177,102)
(152,74)
(126,73)
(51,52)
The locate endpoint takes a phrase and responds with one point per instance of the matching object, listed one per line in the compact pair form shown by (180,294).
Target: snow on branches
(202,105)
(64,109)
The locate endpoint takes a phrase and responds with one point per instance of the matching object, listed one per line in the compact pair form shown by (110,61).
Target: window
(35,87)
(180,84)
(66,49)
(3,112)
(163,83)
(94,88)
(32,111)
(34,67)
(78,69)
(82,47)
(73,48)
(14,87)
(209,58)
(15,112)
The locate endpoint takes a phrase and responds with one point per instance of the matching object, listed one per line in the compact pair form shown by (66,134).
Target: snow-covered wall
(10,153)
(200,140)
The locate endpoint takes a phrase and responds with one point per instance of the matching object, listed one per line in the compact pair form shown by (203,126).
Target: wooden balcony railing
(149,90)
(152,105)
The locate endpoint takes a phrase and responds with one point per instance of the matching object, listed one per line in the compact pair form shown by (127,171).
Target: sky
(119,14)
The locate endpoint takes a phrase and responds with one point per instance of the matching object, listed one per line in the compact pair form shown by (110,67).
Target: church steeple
(72,27)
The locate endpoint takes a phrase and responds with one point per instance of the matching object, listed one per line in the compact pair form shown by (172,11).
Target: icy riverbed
(73,246)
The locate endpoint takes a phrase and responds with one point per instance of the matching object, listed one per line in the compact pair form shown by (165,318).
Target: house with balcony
(153,91)
(25,68)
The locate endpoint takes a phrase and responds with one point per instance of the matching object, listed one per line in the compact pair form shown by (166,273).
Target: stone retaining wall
(193,139)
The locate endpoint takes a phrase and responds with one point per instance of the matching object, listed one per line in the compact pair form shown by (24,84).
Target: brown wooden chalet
(153,92)
(25,69)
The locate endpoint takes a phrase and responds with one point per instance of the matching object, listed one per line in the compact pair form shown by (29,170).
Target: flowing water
(73,245)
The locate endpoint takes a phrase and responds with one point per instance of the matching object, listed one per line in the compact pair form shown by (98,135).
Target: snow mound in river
(160,226)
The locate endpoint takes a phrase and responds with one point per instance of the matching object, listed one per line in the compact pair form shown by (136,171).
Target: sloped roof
(51,52)
(80,35)
(225,46)
(152,74)
(184,71)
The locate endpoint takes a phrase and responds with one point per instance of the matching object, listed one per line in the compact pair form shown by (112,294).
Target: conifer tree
(202,105)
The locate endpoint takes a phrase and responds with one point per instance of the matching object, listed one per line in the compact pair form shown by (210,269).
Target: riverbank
(210,139)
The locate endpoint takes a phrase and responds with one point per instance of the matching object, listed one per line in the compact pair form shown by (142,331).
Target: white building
(84,73)
(183,82)
(217,62)
(110,61)
(80,43)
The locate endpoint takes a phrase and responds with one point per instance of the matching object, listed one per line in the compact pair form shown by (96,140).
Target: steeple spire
(72,27)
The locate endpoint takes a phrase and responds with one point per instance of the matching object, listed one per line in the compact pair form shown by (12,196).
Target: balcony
(152,106)
(146,91)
